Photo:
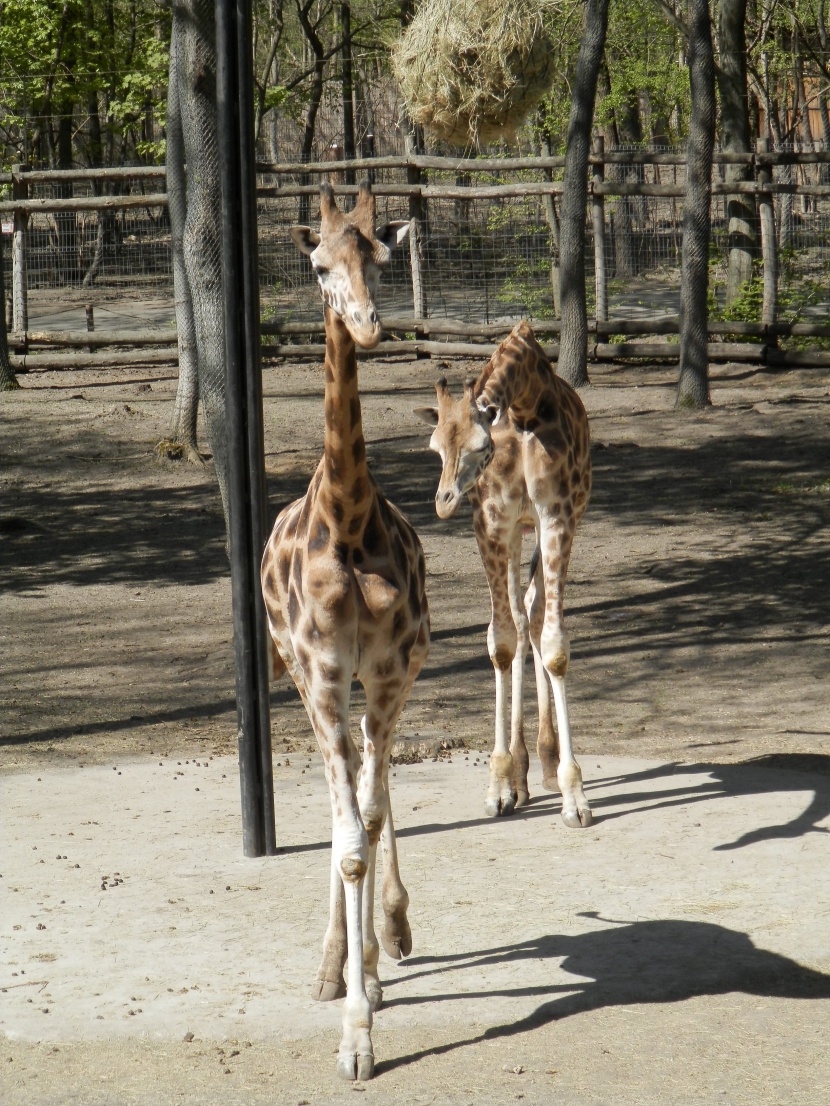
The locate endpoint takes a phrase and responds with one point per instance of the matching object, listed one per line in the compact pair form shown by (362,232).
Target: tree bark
(693,382)
(194,69)
(347,88)
(8,381)
(573,351)
(824,112)
(181,441)
(629,131)
(315,96)
(732,84)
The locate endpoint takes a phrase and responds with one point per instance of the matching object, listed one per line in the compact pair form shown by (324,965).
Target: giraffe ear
(428,415)
(391,235)
(305,239)
(491,413)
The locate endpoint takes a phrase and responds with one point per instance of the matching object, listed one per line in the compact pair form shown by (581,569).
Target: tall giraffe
(517,443)
(343,581)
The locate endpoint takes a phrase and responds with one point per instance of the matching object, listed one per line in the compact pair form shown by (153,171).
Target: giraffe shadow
(777,773)
(628,963)
(771,775)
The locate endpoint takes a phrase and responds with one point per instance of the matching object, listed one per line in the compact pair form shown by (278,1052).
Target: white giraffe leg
(576,810)
(502,647)
(329,983)
(355,1057)
(554,649)
(547,742)
(518,748)
(372,799)
(371,948)
(396,936)
(501,798)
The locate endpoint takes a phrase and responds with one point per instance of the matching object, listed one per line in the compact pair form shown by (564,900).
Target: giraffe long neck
(516,375)
(346,485)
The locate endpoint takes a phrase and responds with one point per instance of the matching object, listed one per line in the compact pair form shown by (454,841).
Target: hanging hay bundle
(471,70)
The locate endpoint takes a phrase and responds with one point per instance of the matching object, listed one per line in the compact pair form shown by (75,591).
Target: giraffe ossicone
(343,580)
(517,444)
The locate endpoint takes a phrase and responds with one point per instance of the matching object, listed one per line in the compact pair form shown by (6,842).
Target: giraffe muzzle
(446,503)
(363,324)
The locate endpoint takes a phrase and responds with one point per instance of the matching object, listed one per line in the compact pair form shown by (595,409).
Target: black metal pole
(243,399)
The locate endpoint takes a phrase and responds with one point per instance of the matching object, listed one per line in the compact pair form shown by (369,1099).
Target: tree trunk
(315,96)
(181,441)
(347,88)
(824,112)
(8,381)
(193,68)
(693,382)
(66,221)
(573,350)
(731,76)
(629,132)
(803,110)
(552,219)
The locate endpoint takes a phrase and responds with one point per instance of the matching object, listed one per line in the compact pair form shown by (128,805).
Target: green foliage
(79,59)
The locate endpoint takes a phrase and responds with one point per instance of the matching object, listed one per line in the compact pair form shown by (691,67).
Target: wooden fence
(417,332)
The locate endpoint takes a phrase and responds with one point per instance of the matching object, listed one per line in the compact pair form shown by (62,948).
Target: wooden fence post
(769,249)
(20,298)
(598,220)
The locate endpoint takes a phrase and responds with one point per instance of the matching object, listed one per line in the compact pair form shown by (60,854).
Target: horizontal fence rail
(483,253)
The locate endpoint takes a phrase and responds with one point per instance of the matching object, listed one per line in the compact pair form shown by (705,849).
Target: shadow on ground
(630,963)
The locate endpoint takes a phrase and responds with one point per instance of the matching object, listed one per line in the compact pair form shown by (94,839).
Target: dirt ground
(697,600)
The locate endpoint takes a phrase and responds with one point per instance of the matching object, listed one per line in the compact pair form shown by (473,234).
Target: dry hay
(471,70)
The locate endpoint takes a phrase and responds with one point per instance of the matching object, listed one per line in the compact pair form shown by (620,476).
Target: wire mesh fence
(483,258)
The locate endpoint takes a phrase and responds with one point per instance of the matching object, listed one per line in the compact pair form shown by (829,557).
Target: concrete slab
(129,914)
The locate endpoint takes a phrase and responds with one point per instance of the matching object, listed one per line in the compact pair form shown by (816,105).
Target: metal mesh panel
(483,259)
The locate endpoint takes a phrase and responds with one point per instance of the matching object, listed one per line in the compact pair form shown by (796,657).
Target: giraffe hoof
(396,938)
(577,818)
(327,990)
(497,808)
(550,783)
(374,992)
(360,1067)
(522,798)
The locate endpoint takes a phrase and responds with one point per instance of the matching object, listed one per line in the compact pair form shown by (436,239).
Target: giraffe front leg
(547,742)
(355,1056)
(396,936)
(576,810)
(518,748)
(554,650)
(329,983)
(501,795)
(502,641)
(351,850)
(373,802)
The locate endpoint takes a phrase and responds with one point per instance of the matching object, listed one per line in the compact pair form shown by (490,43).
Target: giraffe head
(463,441)
(347,257)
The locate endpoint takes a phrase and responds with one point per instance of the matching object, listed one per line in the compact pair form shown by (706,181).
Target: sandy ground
(679,950)
(698,612)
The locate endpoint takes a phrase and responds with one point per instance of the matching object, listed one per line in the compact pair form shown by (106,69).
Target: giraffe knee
(352,869)
(557,663)
(502,658)
(556,654)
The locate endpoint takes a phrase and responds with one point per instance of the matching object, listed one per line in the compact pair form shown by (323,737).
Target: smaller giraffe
(343,579)
(517,443)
